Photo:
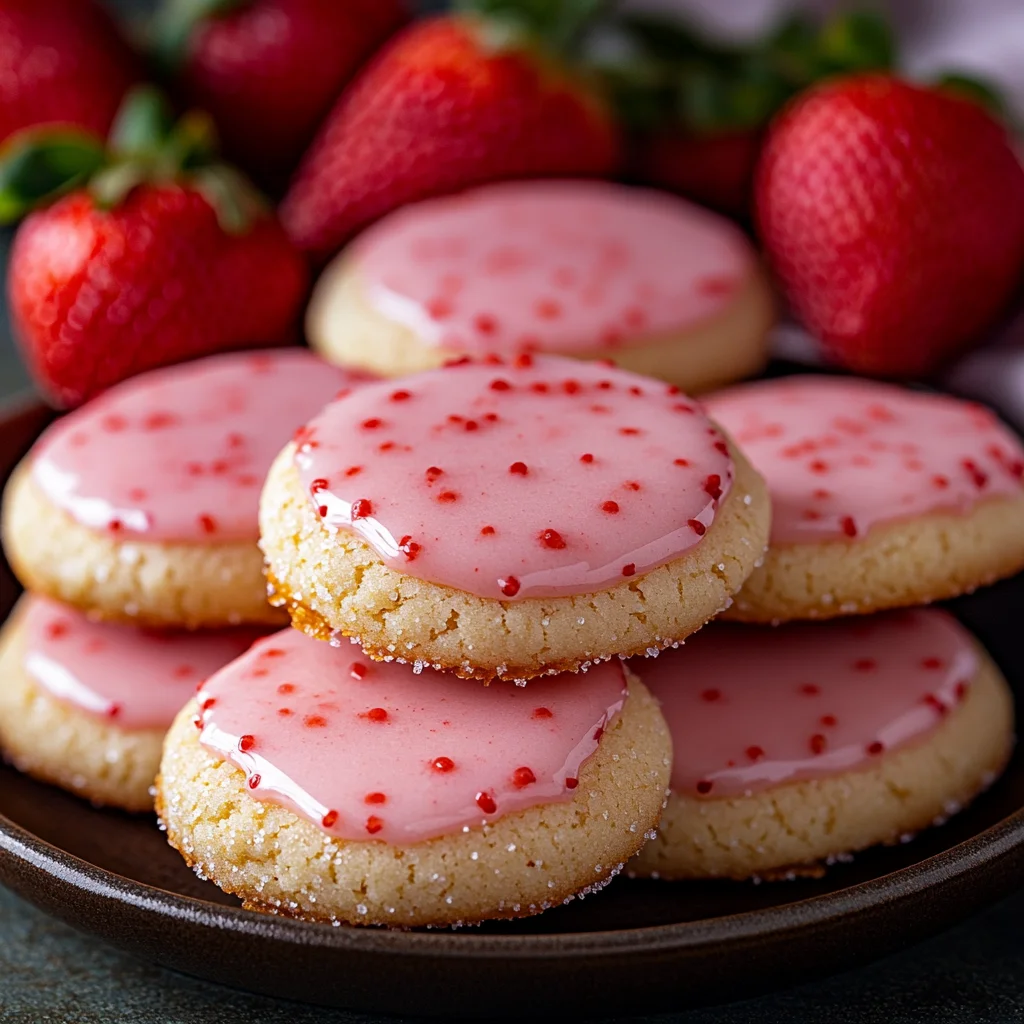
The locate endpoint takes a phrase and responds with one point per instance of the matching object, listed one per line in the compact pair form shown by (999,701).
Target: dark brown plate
(638,946)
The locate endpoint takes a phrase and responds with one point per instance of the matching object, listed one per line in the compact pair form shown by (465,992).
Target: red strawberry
(894,217)
(269,70)
(443,107)
(716,170)
(147,265)
(60,61)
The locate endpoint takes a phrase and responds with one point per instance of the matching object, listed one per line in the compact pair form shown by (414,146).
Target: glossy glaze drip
(557,266)
(841,455)
(541,477)
(369,750)
(753,707)
(180,454)
(132,678)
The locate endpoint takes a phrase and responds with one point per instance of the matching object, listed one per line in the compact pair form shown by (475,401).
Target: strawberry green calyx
(558,26)
(663,75)
(174,23)
(146,146)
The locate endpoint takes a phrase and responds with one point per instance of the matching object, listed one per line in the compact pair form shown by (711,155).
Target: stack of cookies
(799,740)
(527,524)
(133,525)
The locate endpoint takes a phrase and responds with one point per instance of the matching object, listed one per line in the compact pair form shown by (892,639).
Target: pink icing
(543,477)
(180,454)
(561,266)
(365,750)
(754,707)
(842,455)
(136,679)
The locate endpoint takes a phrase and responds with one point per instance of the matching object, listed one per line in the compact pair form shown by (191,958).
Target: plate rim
(983,849)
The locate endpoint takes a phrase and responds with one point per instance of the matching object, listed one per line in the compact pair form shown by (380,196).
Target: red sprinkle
(447,496)
(314,721)
(571,783)
(361,508)
(865,665)
(374,824)
(373,423)
(485,801)
(508,585)
(375,715)
(828,721)
(754,753)
(631,485)
(443,764)
(933,702)
(329,819)
(353,470)
(571,387)
(409,548)
(875,748)
(208,703)
(433,472)
(401,395)
(254,781)
(552,539)
(523,360)
(543,713)
(375,798)
(697,526)
(848,526)
(487,531)
(500,385)
(207,523)
(586,457)
(681,462)
(611,507)
(810,689)
(711,695)
(629,431)
(523,777)
(629,569)
(246,742)
(519,468)
(932,663)
(358,670)
(319,484)
(978,478)
(818,743)
(940,482)
(713,486)
(704,786)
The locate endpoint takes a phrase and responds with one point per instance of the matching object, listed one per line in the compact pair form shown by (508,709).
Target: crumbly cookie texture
(926,559)
(333,584)
(60,744)
(146,583)
(345,329)
(797,827)
(520,865)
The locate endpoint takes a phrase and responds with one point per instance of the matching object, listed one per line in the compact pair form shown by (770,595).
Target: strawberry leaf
(143,122)
(981,91)
(559,24)
(36,166)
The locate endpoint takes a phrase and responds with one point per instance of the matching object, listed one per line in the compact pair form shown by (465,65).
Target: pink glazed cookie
(85,705)
(317,784)
(142,505)
(801,744)
(510,519)
(882,497)
(579,268)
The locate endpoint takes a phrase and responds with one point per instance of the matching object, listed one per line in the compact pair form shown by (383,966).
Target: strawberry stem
(176,20)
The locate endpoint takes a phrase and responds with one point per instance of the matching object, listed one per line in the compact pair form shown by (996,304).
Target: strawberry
(156,254)
(893,215)
(269,70)
(451,102)
(60,61)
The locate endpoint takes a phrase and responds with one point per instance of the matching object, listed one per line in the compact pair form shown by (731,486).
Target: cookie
(142,505)
(578,268)
(805,743)
(510,520)
(882,497)
(322,786)
(85,705)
